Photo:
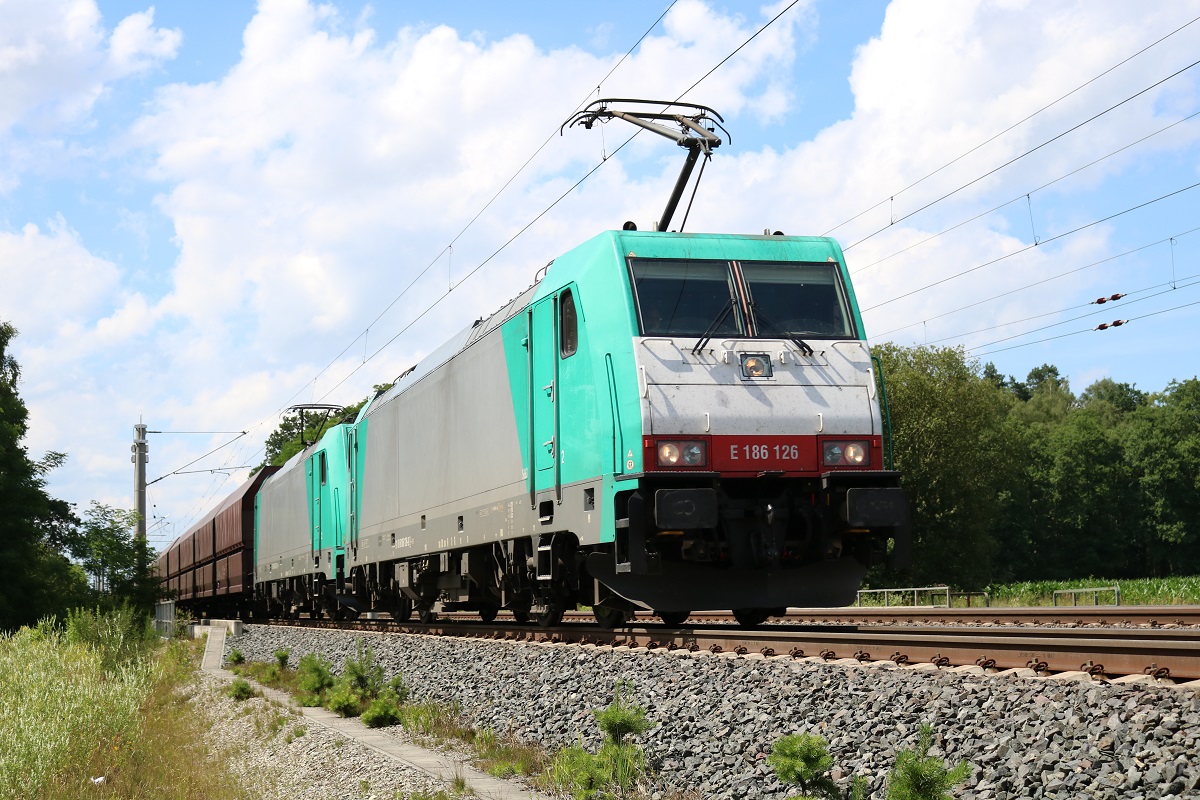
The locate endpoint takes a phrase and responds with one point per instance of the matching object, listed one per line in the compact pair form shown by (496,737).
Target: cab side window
(568,325)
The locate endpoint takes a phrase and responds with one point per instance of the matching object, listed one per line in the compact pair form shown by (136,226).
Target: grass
(1183,590)
(98,699)
(1138,592)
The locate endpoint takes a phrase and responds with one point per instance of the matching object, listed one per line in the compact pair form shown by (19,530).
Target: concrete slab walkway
(432,762)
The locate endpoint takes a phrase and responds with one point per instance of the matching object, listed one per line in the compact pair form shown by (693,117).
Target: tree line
(55,559)
(1013,480)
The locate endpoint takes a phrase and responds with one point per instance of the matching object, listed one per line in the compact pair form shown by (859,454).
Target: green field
(1139,592)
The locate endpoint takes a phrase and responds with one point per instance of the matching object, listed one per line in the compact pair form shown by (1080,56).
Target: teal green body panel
(597,414)
(327,491)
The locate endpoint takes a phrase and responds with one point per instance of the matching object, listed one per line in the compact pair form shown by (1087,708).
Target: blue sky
(206,209)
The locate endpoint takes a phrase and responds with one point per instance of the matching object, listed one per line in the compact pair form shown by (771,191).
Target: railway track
(1158,644)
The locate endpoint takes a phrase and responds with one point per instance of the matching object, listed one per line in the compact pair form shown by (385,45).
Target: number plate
(758,453)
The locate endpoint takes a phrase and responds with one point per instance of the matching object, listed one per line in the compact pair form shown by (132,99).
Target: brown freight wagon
(214,558)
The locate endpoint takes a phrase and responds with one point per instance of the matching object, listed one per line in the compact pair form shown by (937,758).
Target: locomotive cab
(763,481)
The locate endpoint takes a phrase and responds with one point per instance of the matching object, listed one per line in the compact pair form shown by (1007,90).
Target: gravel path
(717,716)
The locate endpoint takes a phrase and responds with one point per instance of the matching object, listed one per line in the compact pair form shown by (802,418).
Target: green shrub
(619,763)
(344,700)
(281,657)
(383,710)
(362,673)
(241,689)
(579,773)
(920,776)
(398,686)
(314,677)
(803,759)
(270,675)
(619,718)
(236,658)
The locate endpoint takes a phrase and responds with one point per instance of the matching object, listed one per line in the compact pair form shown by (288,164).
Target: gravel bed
(716,716)
(276,754)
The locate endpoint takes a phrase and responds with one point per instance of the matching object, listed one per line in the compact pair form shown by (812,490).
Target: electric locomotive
(674,421)
(664,420)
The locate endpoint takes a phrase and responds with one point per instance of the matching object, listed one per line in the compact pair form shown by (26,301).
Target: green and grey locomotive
(671,421)
(674,421)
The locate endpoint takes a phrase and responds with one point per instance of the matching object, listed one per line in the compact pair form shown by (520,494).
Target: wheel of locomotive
(752,617)
(402,609)
(520,616)
(487,613)
(673,619)
(610,617)
(551,614)
(426,614)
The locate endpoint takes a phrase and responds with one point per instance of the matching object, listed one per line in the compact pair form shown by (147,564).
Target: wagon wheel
(751,617)
(673,619)
(520,616)
(487,612)
(426,614)
(402,609)
(610,618)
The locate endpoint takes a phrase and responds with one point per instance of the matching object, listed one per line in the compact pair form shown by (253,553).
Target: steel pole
(141,455)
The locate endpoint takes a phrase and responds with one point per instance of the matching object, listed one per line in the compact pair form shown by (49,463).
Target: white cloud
(56,59)
(51,282)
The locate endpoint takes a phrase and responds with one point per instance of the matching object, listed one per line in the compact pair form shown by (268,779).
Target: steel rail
(1160,655)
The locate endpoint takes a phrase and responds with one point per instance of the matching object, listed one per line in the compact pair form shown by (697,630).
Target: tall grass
(99,709)
(63,714)
(1183,590)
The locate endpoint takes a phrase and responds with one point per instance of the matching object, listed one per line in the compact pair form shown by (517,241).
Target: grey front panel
(284,535)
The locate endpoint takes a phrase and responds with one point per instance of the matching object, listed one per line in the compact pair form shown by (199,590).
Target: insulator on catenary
(1116,323)
(1102,300)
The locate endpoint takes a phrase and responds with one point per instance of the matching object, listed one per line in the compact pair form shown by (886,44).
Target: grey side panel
(284,536)
(445,447)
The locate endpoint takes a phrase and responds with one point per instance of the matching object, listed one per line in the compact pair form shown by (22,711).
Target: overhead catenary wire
(1017,158)
(1033,284)
(1031,246)
(1023,195)
(1085,330)
(1104,310)
(1015,125)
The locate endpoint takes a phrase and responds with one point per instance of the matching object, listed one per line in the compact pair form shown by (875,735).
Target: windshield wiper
(713,327)
(778,329)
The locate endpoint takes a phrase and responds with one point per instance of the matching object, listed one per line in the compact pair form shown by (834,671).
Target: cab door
(317,469)
(543,394)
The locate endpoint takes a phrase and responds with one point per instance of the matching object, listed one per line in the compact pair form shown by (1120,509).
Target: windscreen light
(756,365)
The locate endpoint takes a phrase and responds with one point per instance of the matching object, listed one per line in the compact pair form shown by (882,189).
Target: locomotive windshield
(682,298)
(678,297)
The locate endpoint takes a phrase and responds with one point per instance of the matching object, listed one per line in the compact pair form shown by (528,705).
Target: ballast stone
(714,717)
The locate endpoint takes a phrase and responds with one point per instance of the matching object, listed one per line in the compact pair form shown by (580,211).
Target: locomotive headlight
(682,454)
(756,365)
(846,454)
